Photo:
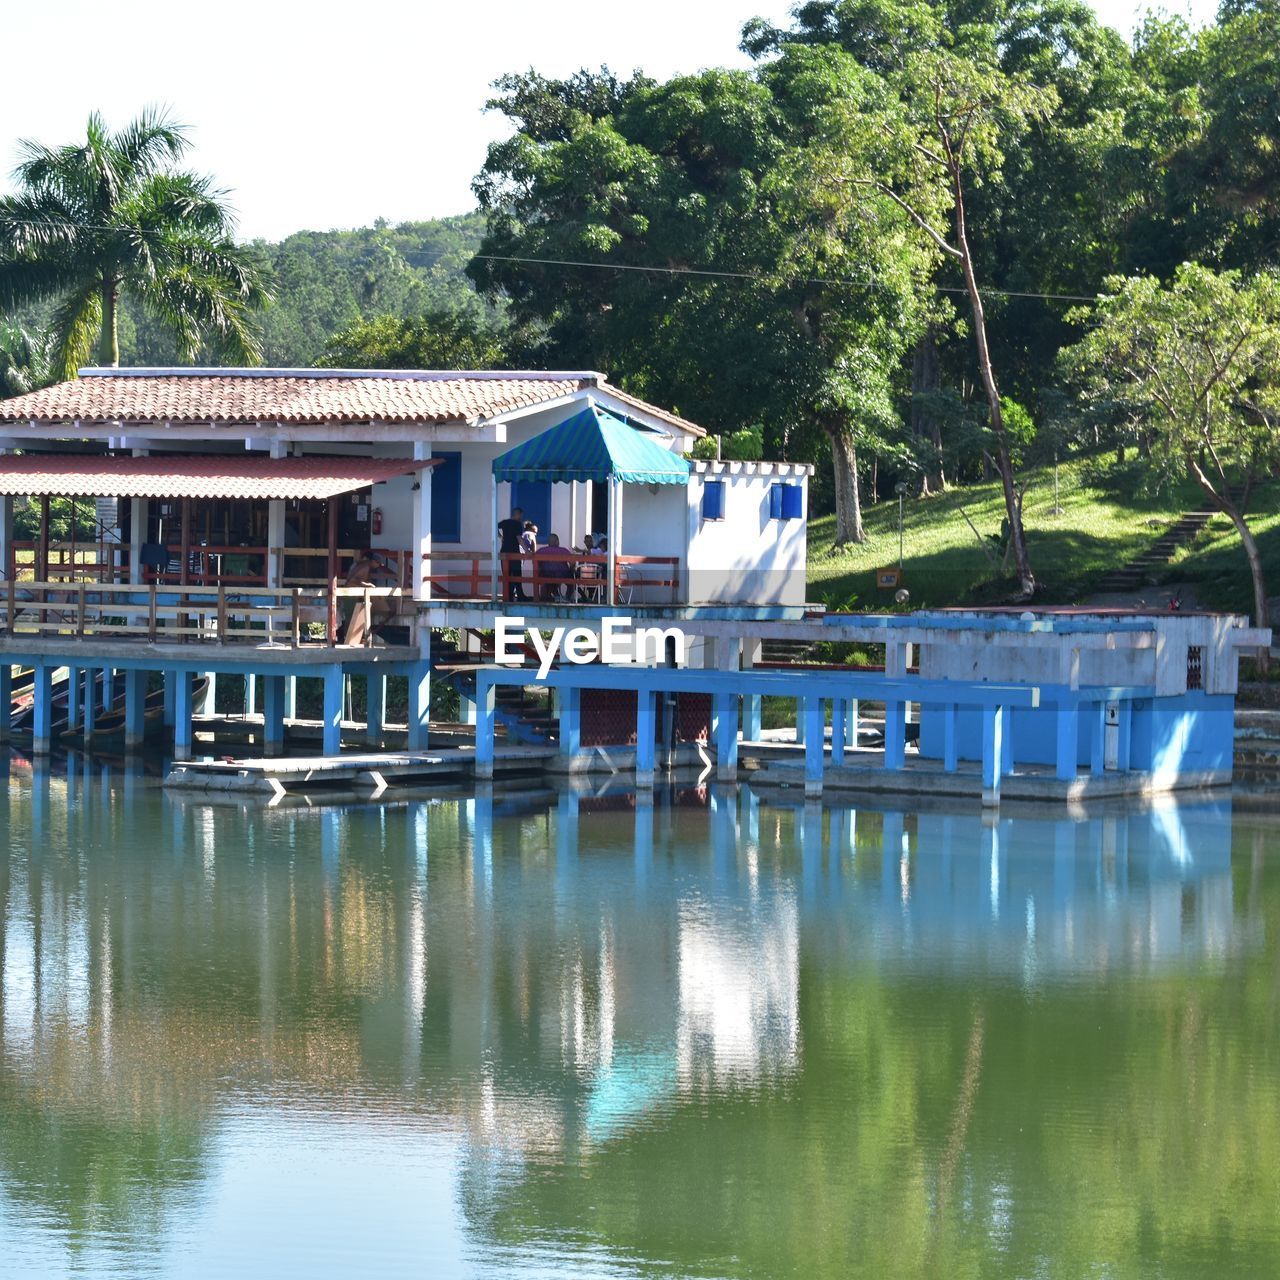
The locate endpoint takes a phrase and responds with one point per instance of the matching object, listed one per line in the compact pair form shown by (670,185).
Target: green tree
(439,340)
(24,359)
(1195,364)
(110,217)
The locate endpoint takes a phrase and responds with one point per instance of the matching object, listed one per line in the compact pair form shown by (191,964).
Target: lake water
(585,1037)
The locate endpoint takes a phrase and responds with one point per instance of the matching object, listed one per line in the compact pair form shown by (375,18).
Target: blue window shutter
(446,497)
(775,502)
(713,500)
(792,508)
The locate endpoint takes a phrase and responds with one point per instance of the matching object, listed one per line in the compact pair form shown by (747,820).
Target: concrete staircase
(1146,567)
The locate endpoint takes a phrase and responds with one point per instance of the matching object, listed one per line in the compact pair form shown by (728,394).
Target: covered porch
(599,457)
(150,569)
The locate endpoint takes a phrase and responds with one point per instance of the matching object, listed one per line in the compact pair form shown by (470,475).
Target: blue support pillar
(1068,741)
(375,708)
(6,698)
(43,693)
(333,683)
(800,721)
(273,714)
(895,734)
(108,687)
(726,711)
(90,702)
(851,725)
(1097,714)
(1006,744)
(1124,737)
(466,709)
(290,697)
(419,713)
(950,750)
(485,725)
(752,716)
(170,689)
(570,721)
(646,734)
(183,729)
(839,718)
(813,745)
(135,701)
(74,675)
(993,730)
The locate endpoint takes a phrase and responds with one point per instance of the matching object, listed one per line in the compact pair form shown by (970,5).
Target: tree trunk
(1004,464)
(1228,508)
(925,427)
(844,463)
(109,344)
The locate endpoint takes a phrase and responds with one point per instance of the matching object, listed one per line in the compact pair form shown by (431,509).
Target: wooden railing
(224,614)
(553,574)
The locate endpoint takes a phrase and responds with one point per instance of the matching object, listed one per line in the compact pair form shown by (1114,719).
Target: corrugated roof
(70,475)
(295,397)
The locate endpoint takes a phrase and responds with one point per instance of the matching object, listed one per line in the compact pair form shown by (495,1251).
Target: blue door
(446,497)
(535,497)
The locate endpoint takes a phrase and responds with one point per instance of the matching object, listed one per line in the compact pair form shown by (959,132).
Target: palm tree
(25,357)
(110,216)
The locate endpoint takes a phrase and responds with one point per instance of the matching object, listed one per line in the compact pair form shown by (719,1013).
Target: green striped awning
(592,445)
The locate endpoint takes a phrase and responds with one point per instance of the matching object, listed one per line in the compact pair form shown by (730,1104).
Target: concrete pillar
(800,721)
(570,708)
(1067,736)
(135,696)
(333,685)
(895,734)
(6,698)
(273,714)
(950,752)
(419,705)
(752,717)
(90,701)
(375,702)
(183,729)
(466,709)
(43,693)
(993,730)
(1124,737)
(275,541)
(250,694)
(1097,714)
(646,734)
(137,530)
(485,704)
(290,697)
(814,715)
(839,717)
(108,687)
(726,705)
(74,676)
(851,725)
(420,546)
(170,679)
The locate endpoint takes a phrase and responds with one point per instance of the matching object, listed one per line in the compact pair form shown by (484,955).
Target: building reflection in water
(540,976)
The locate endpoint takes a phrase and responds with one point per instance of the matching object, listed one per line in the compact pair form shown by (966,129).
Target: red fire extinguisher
(375,521)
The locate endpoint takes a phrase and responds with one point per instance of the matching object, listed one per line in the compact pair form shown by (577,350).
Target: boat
(110,724)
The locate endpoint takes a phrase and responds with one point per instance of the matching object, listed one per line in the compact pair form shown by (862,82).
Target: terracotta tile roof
(70,475)
(295,396)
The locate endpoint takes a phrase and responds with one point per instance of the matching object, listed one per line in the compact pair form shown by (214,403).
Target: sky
(318,114)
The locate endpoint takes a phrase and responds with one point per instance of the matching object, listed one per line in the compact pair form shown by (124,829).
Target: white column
(420,546)
(275,526)
(614,521)
(139,509)
(493,526)
(573,513)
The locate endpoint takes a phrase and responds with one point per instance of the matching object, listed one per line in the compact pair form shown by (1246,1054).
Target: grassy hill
(1108,514)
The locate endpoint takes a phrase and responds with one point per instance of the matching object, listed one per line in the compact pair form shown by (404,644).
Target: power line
(757,277)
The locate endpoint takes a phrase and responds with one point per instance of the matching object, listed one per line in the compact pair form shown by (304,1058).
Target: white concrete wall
(747,555)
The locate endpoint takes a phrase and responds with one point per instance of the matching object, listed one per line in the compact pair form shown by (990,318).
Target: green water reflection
(568,1036)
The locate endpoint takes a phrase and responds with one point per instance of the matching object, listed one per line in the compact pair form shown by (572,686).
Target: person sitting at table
(365,572)
(553,571)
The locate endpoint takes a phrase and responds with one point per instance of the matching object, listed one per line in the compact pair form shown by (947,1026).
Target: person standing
(510,531)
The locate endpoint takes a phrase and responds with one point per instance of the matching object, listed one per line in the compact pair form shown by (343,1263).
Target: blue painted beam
(895,733)
(135,694)
(333,687)
(273,700)
(486,705)
(74,675)
(752,716)
(726,736)
(839,718)
(43,693)
(183,730)
(419,713)
(814,725)
(993,735)
(646,737)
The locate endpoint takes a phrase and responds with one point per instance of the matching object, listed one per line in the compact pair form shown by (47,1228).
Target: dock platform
(375,771)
